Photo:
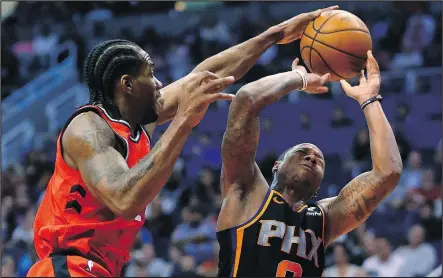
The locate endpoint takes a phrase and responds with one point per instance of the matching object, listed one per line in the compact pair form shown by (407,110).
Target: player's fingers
(314,14)
(362,78)
(345,85)
(205,76)
(219,84)
(295,63)
(321,90)
(324,78)
(335,7)
(372,66)
(219,96)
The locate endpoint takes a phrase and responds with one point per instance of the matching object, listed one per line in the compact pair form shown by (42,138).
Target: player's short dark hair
(282,156)
(106,62)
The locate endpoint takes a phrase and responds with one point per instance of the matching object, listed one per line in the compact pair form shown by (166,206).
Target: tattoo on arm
(355,202)
(239,145)
(148,162)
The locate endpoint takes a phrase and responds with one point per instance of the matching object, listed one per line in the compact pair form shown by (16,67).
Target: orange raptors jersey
(70,221)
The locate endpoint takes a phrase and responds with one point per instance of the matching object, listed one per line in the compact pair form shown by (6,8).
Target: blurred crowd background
(44,45)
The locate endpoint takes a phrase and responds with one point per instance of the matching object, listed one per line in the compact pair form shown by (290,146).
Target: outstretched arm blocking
(239,59)
(359,198)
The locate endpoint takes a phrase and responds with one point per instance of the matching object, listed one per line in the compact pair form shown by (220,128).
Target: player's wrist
(303,79)
(365,102)
(273,34)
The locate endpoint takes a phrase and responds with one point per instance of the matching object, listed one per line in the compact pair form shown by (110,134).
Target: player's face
(303,168)
(149,92)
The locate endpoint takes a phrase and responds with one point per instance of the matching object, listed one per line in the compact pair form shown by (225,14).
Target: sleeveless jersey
(71,221)
(275,242)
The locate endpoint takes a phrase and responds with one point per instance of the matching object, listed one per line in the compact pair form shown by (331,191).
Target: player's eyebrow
(308,150)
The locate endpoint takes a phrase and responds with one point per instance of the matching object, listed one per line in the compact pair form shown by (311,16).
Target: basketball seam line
(324,61)
(313,39)
(344,30)
(344,52)
(313,22)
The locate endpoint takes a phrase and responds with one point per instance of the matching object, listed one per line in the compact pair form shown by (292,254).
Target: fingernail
(230,78)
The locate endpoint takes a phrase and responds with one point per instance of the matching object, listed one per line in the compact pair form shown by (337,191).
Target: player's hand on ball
(315,82)
(293,28)
(368,87)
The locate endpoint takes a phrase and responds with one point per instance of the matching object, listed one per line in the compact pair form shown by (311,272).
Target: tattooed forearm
(360,197)
(141,169)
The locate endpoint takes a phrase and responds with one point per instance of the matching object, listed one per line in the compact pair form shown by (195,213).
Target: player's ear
(126,83)
(275,168)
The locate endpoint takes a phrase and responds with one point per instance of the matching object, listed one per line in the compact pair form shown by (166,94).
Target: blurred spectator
(160,225)
(384,263)
(208,189)
(428,191)
(195,234)
(418,257)
(403,145)
(44,42)
(187,268)
(6,208)
(430,222)
(24,229)
(146,263)
(413,173)
(8,266)
(420,29)
(361,152)
(339,119)
(410,179)
(209,268)
(438,166)
(342,267)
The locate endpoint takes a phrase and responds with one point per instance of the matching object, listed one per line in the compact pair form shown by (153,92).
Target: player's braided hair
(106,62)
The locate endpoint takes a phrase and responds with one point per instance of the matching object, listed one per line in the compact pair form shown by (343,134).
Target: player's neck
(288,195)
(129,115)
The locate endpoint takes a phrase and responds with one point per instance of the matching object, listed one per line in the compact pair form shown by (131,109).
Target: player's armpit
(355,202)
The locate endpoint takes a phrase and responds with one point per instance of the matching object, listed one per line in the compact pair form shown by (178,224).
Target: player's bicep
(353,205)
(101,174)
(89,142)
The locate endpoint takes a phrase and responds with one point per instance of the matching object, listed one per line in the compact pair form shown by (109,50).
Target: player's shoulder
(313,209)
(87,128)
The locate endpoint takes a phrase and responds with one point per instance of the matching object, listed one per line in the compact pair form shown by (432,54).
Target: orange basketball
(337,43)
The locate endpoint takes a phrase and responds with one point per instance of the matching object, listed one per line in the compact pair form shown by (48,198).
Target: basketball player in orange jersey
(274,230)
(104,177)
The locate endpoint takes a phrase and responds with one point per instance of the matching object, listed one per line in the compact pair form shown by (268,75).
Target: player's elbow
(126,209)
(392,173)
(128,214)
(246,98)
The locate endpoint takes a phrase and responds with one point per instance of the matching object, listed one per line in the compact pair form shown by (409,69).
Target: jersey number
(285,266)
